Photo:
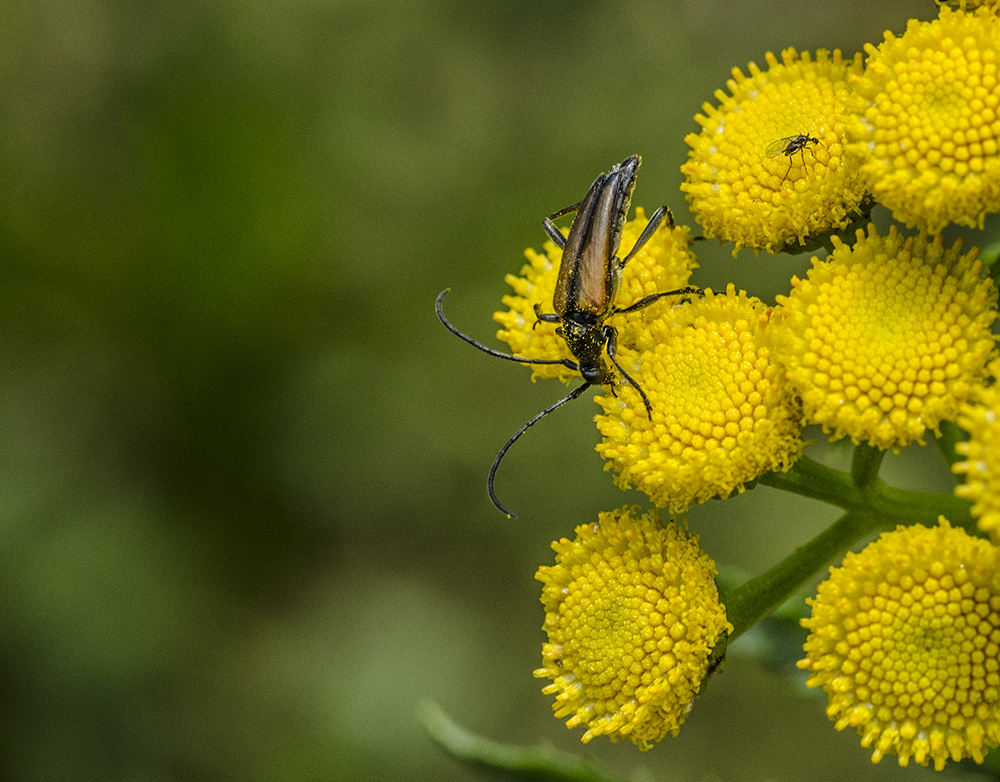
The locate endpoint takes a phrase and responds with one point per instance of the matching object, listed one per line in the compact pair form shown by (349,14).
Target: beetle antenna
(496,353)
(503,451)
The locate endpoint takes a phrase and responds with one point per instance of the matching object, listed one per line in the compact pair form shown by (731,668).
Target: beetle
(789,146)
(588,281)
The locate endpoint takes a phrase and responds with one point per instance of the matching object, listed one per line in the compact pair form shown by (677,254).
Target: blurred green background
(242,466)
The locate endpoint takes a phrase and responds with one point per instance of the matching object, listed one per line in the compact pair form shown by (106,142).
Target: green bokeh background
(242,467)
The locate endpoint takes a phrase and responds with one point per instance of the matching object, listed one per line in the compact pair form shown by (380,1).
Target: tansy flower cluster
(887,338)
(632,611)
(792,152)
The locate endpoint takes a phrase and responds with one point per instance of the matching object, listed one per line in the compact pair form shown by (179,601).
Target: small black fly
(789,146)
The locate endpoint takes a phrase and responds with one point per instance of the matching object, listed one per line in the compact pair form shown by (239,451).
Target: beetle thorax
(586,341)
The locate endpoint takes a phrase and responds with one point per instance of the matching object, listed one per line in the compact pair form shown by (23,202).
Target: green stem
(902,506)
(514,762)
(989,255)
(871,506)
(752,601)
(865,465)
(811,479)
(951,435)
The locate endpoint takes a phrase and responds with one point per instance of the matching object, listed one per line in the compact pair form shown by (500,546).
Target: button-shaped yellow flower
(980,417)
(968,5)
(767,168)
(632,615)
(663,264)
(904,639)
(885,339)
(928,127)
(722,414)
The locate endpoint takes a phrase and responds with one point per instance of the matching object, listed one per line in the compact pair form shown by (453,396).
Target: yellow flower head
(767,167)
(904,639)
(885,339)
(981,419)
(632,614)
(927,130)
(663,264)
(722,414)
(968,5)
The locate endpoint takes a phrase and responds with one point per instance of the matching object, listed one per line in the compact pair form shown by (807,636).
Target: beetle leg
(654,222)
(554,233)
(547,317)
(553,230)
(645,302)
(566,210)
(611,337)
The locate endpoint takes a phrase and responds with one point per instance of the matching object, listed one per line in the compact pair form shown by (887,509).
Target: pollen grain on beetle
(722,413)
(632,615)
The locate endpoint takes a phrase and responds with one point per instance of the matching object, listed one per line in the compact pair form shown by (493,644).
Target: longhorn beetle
(789,146)
(585,291)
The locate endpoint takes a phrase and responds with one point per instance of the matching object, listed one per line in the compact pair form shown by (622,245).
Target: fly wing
(778,147)
(587,274)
